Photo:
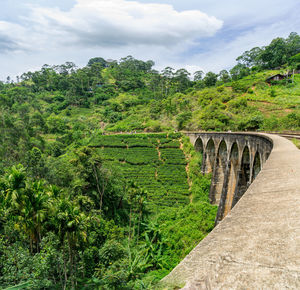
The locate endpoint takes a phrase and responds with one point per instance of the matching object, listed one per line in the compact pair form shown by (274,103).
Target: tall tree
(97,60)
(198,75)
(210,79)
(224,76)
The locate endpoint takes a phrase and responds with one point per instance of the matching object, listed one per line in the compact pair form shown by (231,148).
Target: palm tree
(14,182)
(71,223)
(137,199)
(37,202)
(27,202)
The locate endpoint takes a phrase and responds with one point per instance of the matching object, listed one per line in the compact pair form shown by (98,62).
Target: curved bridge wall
(234,160)
(257,245)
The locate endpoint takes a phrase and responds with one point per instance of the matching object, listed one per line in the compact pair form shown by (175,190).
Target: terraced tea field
(154,161)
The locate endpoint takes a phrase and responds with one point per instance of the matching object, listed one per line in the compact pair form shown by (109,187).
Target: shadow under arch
(199,145)
(219,174)
(209,156)
(232,178)
(244,174)
(256,166)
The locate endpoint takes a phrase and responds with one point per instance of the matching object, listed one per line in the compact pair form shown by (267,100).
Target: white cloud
(11,37)
(169,34)
(111,29)
(224,54)
(115,23)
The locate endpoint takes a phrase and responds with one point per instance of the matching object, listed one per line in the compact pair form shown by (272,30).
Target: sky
(203,35)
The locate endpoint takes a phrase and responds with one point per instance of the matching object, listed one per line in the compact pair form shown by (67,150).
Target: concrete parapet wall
(257,245)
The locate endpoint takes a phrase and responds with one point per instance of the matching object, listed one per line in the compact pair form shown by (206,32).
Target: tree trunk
(98,186)
(129,236)
(65,268)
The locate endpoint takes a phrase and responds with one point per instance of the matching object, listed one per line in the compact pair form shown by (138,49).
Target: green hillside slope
(246,104)
(154,161)
(84,205)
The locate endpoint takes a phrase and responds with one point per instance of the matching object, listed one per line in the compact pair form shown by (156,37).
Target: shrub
(272,93)
(239,87)
(250,91)
(271,123)
(238,104)
(254,122)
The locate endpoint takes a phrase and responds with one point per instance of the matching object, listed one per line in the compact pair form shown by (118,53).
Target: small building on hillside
(278,77)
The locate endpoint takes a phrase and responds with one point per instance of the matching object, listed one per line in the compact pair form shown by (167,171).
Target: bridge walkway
(257,245)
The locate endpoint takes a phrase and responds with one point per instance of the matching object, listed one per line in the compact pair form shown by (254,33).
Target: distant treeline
(101,78)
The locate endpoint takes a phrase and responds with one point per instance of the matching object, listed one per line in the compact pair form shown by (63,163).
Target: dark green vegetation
(86,210)
(118,214)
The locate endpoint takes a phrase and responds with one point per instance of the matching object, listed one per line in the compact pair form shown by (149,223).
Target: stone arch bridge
(234,160)
(256,243)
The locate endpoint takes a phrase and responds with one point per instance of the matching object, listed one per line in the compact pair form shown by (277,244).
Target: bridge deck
(257,245)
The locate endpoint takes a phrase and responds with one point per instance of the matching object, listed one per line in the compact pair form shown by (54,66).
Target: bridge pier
(230,187)
(225,197)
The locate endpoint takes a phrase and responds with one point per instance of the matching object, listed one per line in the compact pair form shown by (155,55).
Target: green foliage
(224,76)
(210,79)
(272,93)
(97,60)
(182,119)
(238,104)
(274,55)
(239,87)
(294,61)
(88,210)
(103,226)
(239,71)
(251,123)
(155,162)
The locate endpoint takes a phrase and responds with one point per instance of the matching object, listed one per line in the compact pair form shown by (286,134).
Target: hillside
(98,187)
(138,199)
(246,104)
(154,161)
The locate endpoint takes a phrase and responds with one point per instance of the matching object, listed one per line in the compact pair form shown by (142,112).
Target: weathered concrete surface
(257,245)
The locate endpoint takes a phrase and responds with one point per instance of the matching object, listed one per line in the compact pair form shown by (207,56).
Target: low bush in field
(172,156)
(154,161)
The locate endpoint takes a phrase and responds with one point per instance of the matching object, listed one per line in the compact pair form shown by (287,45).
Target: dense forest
(84,205)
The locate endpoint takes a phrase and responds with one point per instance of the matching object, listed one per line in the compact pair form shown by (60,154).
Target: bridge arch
(219,172)
(234,159)
(199,145)
(256,168)
(209,156)
(244,175)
